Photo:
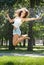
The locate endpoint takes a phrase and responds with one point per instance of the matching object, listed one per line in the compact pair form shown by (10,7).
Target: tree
(11,12)
(9,5)
(30,33)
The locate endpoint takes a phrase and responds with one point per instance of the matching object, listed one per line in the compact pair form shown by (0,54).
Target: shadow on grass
(9,63)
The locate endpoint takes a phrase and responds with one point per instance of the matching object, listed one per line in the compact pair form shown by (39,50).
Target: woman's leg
(20,39)
(15,38)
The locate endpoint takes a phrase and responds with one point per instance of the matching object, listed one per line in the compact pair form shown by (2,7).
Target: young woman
(20,17)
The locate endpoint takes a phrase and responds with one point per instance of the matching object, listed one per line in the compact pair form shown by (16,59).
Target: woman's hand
(10,20)
(6,15)
(39,18)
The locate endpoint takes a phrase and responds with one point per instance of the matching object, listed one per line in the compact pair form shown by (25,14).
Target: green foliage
(38,30)
(1,24)
(4,26)
(24,28)
(8,1)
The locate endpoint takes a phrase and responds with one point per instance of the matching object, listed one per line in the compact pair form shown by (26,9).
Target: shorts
(17,31)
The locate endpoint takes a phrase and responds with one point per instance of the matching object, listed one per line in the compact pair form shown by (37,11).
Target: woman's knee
(15,37)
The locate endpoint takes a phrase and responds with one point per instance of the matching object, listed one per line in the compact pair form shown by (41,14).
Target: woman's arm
(10,20)
(30,19)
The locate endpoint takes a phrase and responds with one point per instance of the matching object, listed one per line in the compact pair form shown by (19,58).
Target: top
(17,22)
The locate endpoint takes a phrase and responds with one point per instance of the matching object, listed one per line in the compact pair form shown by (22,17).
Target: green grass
(19,60)
(38,47)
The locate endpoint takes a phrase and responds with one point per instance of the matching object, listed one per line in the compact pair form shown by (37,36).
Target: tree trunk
(33,41)
(24,42)
(11,47)
(20,44)
(30,33)
(2,41)
(43,42)
(6,43)
(38,2)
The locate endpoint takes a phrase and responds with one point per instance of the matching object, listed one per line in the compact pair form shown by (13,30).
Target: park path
(21,54)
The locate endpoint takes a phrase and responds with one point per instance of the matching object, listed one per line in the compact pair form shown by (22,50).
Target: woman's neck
(18,17)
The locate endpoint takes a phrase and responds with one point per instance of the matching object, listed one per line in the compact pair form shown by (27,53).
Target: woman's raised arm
(10,20)
(30,19)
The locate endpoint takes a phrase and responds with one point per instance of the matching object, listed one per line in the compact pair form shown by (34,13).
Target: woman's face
(23,14)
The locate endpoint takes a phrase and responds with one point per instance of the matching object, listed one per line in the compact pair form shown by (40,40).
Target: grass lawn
(17,60)
(21,60)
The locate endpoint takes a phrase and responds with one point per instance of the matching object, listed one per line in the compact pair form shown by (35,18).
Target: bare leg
(20,39)
(15,38)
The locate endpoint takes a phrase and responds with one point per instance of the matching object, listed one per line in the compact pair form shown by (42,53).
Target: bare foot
(26,36)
